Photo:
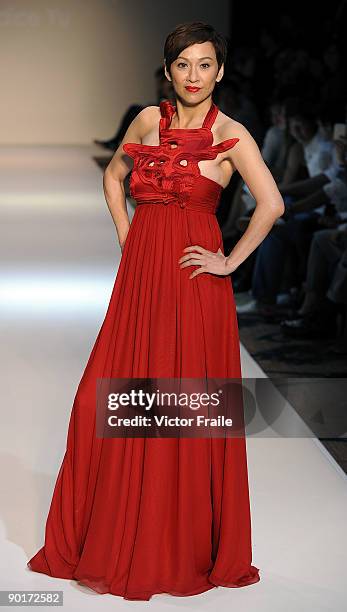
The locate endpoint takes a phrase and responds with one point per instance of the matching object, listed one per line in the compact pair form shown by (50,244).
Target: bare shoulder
(148,116)
(226,128)
(141,124)
(149,112)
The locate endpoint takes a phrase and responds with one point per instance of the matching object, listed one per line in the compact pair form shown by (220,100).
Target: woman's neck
(190,116)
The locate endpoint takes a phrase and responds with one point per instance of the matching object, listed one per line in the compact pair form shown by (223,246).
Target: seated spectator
(301,219)
(326,285)
(326,249)
(275,147)
(319,153)
(285,158)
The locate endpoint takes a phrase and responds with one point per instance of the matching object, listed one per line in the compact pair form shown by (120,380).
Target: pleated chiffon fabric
(140,516)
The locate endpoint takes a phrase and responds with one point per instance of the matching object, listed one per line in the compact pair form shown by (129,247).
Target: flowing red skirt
(140,516)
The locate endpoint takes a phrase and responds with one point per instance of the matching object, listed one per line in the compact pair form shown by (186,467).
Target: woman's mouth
(192,89)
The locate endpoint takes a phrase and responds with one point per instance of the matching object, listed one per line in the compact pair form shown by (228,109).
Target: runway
(59,259)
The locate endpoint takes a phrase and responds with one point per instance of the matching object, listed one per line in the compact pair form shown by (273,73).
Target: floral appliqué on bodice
(170,169)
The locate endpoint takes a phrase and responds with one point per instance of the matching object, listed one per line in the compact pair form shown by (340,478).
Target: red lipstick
(192,89)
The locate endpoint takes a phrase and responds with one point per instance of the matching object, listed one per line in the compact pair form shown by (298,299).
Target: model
(139,516)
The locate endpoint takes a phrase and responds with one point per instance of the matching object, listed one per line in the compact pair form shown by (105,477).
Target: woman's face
(195,67)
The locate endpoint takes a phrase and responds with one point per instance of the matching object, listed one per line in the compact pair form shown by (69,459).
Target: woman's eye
(184,64)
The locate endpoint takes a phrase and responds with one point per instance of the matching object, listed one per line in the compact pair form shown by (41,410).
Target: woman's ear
(220,73)
(166,73)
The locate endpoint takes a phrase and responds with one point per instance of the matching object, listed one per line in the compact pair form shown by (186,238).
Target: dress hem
(146,595)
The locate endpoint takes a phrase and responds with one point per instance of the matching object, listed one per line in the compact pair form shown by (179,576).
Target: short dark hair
(190,33)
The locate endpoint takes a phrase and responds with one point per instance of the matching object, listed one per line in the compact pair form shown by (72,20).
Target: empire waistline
(174,200)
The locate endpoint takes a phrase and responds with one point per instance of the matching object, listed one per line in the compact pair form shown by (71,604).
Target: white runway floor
(59,258)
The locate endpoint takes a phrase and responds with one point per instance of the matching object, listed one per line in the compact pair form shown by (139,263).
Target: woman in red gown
(139,516)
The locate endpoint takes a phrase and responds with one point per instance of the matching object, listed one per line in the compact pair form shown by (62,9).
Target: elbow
(108,180)
(110,177)
(112,186)
(274,210)
(279,208)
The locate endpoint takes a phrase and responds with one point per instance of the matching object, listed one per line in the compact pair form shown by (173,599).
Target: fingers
(191,256)
(199,251)
(192,262)
(196,247)
(200,257)
(203,251)
(196,272)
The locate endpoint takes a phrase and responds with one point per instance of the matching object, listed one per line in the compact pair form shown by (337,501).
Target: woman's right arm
(117,170)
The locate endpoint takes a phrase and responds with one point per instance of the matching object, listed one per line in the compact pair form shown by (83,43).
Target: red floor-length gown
(140,516)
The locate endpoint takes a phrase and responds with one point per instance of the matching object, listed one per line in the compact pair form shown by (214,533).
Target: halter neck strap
(167,110)
(211,116)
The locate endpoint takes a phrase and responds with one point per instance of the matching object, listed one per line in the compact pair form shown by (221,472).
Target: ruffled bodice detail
(169,172)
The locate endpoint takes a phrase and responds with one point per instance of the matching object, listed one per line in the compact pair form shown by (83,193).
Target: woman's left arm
(246,157)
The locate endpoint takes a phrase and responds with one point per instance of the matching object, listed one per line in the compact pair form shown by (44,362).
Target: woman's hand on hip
(213,263)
